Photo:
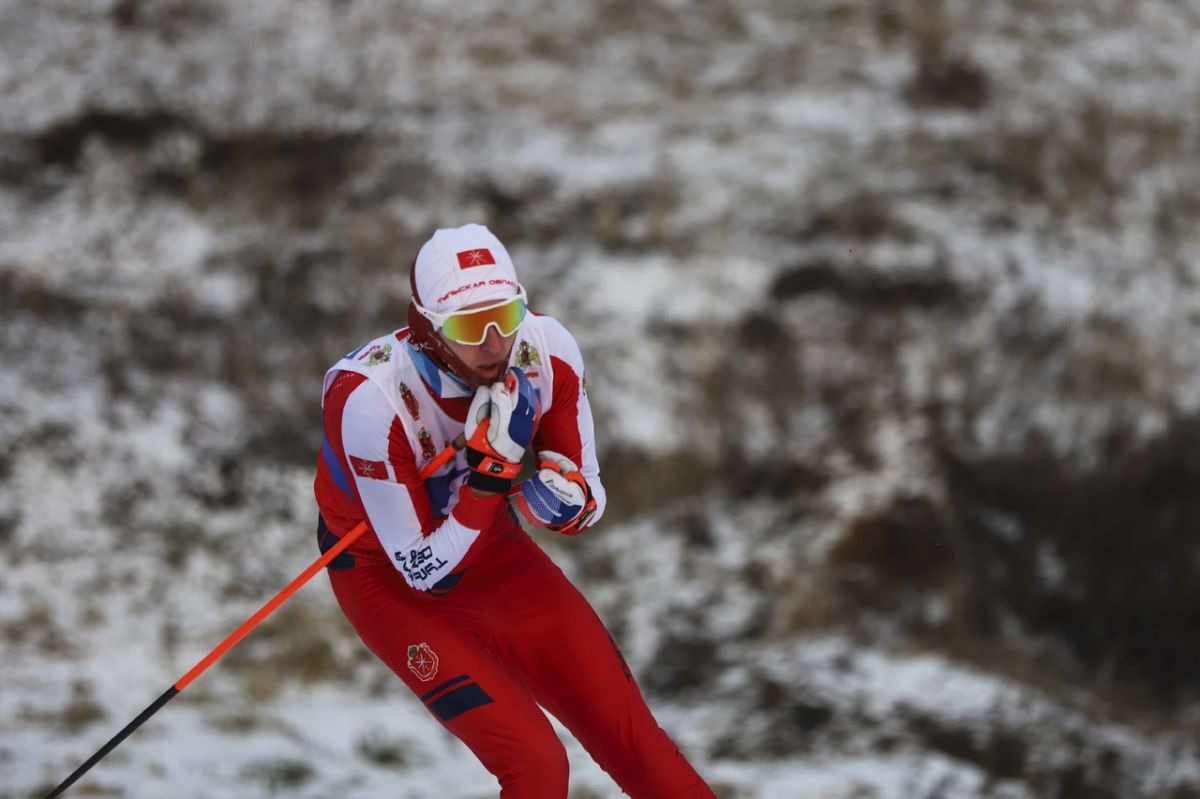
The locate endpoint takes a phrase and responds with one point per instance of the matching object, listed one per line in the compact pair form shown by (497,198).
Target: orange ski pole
(246,626)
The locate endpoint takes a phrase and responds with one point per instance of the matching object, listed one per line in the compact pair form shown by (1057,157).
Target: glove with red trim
(500,424)
(557,496)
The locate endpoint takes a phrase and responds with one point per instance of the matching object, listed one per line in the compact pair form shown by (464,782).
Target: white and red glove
(557,496)
(500,424)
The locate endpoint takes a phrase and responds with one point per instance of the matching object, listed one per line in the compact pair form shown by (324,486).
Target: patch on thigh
(422,661)
(455,697)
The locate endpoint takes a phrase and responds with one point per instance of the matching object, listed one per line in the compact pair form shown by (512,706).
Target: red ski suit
(455,597)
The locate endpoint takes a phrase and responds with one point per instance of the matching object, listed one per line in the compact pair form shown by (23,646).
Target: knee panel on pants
(535,770)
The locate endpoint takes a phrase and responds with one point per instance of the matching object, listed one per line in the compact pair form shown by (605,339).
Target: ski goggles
(471,326)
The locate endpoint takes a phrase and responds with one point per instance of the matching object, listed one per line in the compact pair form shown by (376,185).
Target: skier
(445,587)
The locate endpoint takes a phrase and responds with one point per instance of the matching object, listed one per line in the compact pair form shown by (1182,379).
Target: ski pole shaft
(246,626)
(214,655)
(167,696)
(445,455)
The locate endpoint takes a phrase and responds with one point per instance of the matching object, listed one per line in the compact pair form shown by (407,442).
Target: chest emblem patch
(376,355)
(527,356)
(426,442)
(410,401)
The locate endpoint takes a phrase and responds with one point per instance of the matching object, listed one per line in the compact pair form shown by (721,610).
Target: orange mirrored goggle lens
(470,327)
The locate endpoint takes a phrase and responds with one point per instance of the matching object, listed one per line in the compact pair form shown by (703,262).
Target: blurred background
(890,311)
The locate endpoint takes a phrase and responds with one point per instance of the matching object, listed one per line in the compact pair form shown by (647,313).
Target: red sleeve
(559,428)
(404,463)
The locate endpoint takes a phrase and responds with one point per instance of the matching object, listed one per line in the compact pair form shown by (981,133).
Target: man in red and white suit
(445,587)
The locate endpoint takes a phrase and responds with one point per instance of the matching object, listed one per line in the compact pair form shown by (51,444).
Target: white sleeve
(589,465)
(393,495)
(572,427)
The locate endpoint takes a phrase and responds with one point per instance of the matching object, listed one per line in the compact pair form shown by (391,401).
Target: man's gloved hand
(500,425)
(557,496)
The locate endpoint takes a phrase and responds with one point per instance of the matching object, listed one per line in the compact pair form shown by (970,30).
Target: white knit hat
(463,266)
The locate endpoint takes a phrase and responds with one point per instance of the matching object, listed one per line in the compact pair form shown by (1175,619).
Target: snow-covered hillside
(919,492)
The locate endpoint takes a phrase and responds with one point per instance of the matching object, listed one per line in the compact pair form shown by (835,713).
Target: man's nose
(493,342)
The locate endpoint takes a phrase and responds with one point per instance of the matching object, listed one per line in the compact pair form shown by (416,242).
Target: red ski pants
(514,634)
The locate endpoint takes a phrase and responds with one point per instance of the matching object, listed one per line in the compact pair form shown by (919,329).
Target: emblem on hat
(422,661)
(480,256)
